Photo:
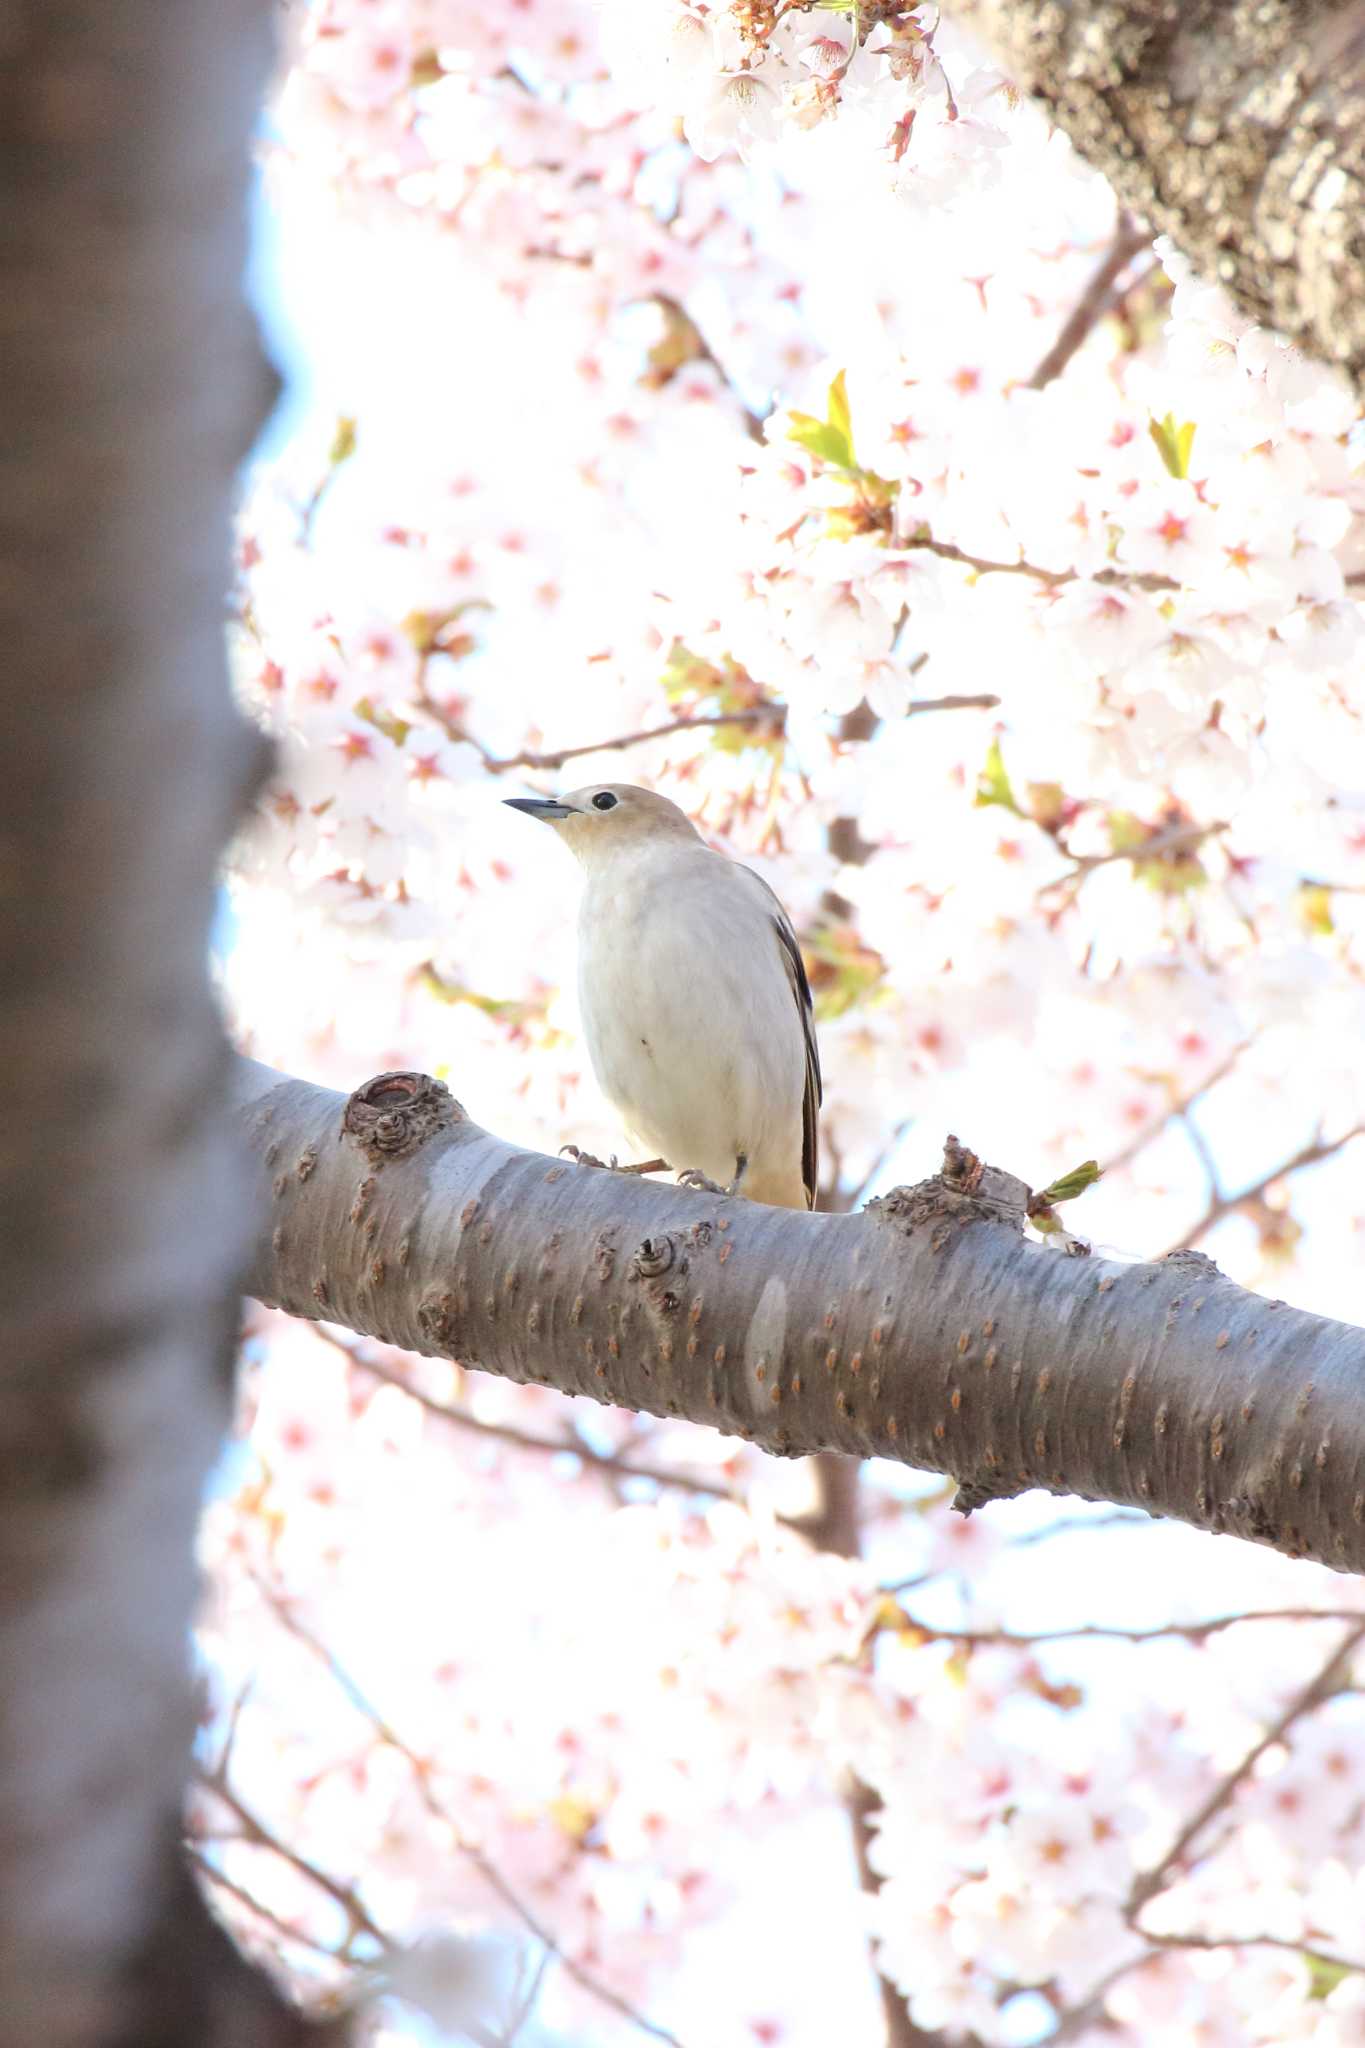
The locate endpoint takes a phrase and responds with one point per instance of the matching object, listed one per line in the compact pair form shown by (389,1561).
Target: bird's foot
(694,1178)
(582,1158)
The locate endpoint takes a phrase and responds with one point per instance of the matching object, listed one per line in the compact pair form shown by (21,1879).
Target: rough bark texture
(1235,126)
(129,386)
(926,1329)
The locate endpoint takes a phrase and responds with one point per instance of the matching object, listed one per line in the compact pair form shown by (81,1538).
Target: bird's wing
(805,1006)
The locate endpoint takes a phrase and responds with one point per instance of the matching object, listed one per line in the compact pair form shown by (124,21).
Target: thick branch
(1236,128)
(925,1329)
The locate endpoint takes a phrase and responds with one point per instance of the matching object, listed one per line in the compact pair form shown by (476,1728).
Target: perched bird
(694,997)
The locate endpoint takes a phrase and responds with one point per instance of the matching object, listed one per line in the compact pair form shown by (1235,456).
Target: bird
(695,1002)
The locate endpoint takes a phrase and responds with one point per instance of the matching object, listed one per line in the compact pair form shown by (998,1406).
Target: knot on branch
(653,1257)
(966,1191)
(1192,1261)
(979,1492)
(438,1318)
(394,1114)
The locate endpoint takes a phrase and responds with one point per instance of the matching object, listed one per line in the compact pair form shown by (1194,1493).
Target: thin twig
(527,1440)
(1221,1206)
(1051,579)
(1095,301)
(1175,839)
(1304,1948)
(1193,1631)
(257,1833)
(224,1883)
(1180,1106)
(702,352)
(1199,1145)
(984,702)
(1320,1687)
(773,715)
(758,716)
(488,1870)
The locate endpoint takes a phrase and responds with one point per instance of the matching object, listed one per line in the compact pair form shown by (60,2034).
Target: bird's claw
(692,1177)
(582,1158)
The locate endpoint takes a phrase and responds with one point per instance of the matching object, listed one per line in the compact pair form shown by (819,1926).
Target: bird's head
(609,818)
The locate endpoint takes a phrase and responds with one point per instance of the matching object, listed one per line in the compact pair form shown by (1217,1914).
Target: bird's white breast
(691,1022)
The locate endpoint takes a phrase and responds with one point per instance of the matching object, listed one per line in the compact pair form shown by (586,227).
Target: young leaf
(1315,908)
(820,438)
(1069,1185)
(1173,443)
(993,785)
(837,413)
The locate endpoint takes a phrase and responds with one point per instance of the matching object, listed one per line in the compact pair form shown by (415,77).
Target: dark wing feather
(810,1128)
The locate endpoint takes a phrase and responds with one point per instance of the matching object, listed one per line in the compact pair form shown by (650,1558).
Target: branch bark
(926,1329)
(130,384)
(1236,128)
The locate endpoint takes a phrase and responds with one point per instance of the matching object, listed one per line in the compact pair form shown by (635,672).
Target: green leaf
(687,674)
(343,441)
(1173,443)
(1127,833)
(426,630)
(506,1007)
(1324,1976)
(821,439)
(1315,908)
(843,971)
(837,412)
(388,722)
(1069,1185)
(993,785)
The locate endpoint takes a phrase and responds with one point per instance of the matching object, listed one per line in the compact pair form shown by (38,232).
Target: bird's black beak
(546,808)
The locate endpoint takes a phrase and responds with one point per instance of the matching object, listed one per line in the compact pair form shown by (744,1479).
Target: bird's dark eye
(604,801)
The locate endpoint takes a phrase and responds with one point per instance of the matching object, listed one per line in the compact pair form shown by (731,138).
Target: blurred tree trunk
(130,384)
(1235,127)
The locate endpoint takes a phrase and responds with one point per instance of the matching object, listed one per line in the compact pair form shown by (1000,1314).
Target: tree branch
(772,717)
(1051,579)
(1327,1680)
(926,1329)
(1191,1631)
(1094,302)
(492,1876)
(1222,1205)
(611,1464)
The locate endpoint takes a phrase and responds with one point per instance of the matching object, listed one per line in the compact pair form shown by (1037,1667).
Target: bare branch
(1221,1205)
(487,1869)
(612,1464)
(1095,301)
(1192,1631)
(1178,1107)
(1327,1680)
(220,1880)
(772,716)
(768,720)
(1051,579)
(255,1831)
